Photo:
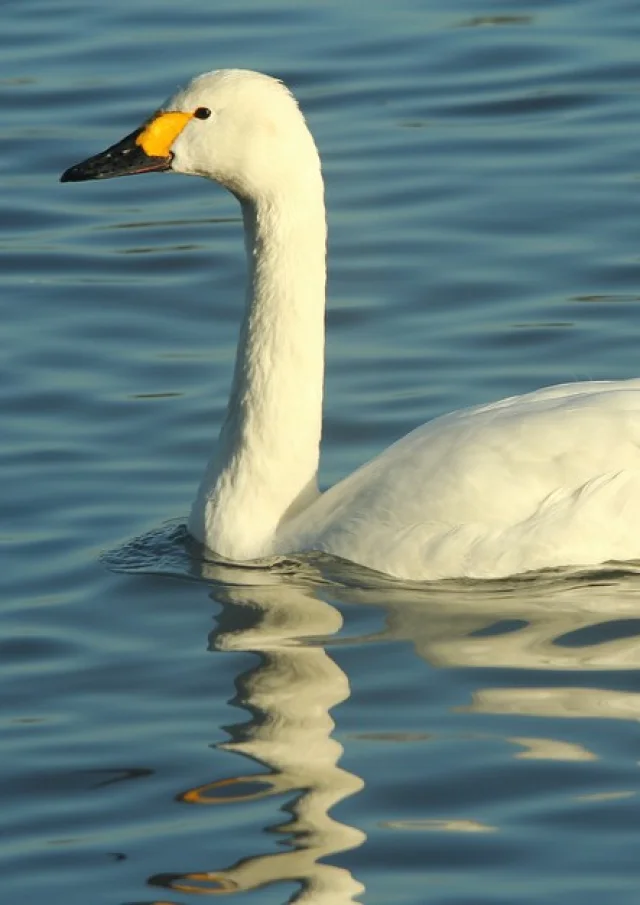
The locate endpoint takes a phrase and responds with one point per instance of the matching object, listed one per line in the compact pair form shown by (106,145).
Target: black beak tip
(71,175)
(88,169)
(105,166)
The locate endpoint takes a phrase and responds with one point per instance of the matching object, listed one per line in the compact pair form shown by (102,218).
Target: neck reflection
(289,694)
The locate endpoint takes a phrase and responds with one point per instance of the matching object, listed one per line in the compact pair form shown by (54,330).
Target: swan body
(548,479)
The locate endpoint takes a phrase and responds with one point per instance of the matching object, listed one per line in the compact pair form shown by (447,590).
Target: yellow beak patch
(158,136)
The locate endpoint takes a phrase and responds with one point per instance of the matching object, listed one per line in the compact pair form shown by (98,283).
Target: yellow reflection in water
(551,749)
(440,826)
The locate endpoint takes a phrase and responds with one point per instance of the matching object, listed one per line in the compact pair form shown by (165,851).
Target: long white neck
(265,467)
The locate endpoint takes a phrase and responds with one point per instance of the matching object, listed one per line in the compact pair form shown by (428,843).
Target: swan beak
(146,150)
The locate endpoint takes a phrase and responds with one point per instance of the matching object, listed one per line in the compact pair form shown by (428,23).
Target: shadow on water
(535,643)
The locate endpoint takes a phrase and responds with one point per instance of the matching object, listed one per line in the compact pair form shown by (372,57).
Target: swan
(543,480)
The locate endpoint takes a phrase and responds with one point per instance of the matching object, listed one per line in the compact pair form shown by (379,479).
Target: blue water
(173,729)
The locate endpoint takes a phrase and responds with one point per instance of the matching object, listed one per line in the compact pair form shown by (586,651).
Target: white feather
(548,479)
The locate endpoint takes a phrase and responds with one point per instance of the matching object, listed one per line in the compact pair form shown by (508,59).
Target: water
(174,729)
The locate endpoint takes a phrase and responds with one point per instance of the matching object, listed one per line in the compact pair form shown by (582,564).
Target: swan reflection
(542,628)
(289,694)
(582,623)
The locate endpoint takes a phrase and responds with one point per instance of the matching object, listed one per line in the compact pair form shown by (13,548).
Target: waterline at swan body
(548,479)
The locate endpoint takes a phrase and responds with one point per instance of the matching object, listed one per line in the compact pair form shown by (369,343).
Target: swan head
(242,129)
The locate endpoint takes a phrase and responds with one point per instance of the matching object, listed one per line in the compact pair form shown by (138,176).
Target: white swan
(548,479)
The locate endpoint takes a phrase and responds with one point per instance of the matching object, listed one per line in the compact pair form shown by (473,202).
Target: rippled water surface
(173,728)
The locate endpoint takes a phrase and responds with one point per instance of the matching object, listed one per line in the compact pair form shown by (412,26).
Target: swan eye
(202,113)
